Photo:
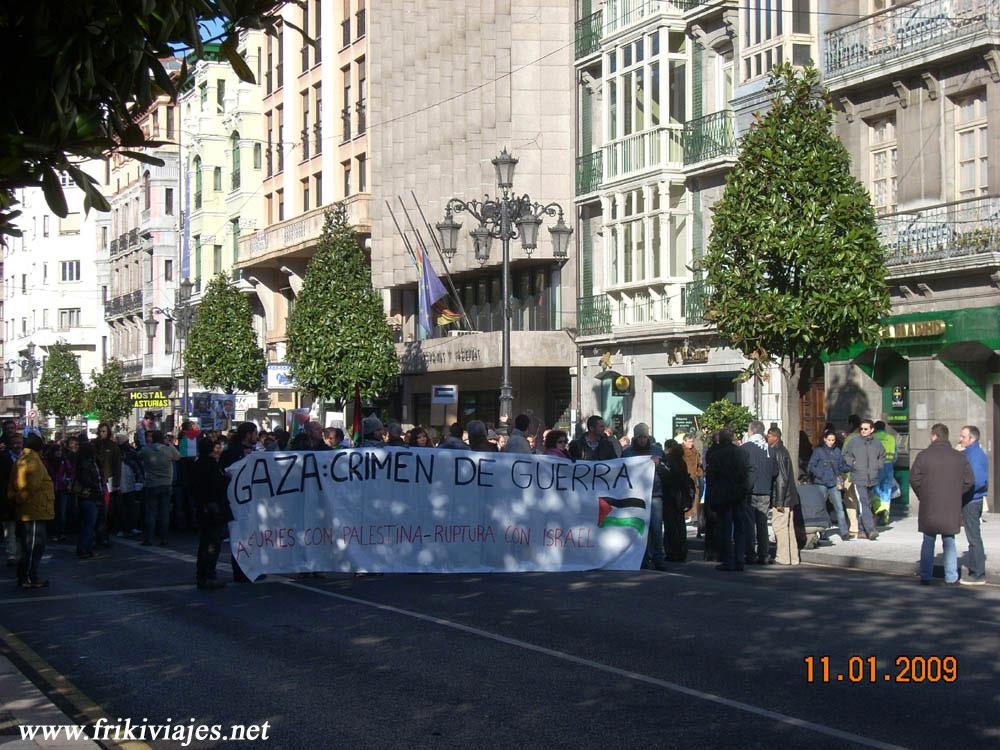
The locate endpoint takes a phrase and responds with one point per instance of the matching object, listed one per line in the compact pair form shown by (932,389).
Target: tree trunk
(791,416)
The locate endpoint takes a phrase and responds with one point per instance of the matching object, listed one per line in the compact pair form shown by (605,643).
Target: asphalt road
(693,658)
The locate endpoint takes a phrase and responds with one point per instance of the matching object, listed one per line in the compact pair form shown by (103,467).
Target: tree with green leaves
(794,259)
(60,389)
(222,351)
(93,64)
(106,396)
(338,336)
(725,413)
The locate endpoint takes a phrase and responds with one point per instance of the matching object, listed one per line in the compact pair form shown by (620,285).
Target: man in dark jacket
(240,446)
(310,438)
(866,456)
(727,485)
(762,473)
(593,445)
(940,476)
(784,499)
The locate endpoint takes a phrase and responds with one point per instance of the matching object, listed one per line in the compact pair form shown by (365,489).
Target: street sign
(444,394)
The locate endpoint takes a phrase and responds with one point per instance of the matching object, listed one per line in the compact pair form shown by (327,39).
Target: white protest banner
(416,510)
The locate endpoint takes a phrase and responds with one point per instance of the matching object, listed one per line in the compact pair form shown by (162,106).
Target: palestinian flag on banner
(614,512)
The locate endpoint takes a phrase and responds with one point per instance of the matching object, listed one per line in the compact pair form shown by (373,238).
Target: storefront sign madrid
(915,330)
(411,510)
(149,399)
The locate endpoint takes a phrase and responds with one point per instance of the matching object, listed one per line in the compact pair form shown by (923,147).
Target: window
(763,40)
(318,127)
(972,145)
(69,270)
(345,25)
(361,18)
(268,80)
(217,179)
(69,317)
(235,225)
(168,201)
(45,226)
(220,96)
(279,68)
(234,146)
(801,17)
(154,118)
(345,113)
(270,144)
(45,273)
(256,156)
(362,95)
(203,96)
(318,8)
(347,178)
(882,145)
(216,259)
(318,189)
(168,336)
(281,204)
(170,122)
(197,262)
(168,270)
(304,52)
(45,318)
(281,138)
(306,133)
(305,194)
(196,166)
(70,224)
(362,172)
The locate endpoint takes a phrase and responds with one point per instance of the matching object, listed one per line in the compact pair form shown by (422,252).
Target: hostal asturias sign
(148,399)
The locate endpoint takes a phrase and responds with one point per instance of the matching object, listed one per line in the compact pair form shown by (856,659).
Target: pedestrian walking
(784,498)
(88,487)
(32,495)
(727,485)
(972,505)
(763,471)
(940,475)
(594,444)
(209,485)
(866,457)
(827,468)
(158,458)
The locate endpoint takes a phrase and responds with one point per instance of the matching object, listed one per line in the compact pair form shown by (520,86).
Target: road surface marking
(667,685)
(28,598)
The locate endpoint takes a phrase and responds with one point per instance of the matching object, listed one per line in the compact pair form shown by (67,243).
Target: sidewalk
(21,703)
(897,550)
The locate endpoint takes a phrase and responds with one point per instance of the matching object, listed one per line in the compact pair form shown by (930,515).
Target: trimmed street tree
(725,413)
(93,63)
(106,396)
(60,389)
(794,259)
(222,351)
(338,336)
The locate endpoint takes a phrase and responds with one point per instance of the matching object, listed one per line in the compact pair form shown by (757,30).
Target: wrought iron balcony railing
(709,137)
(947,230)
(589,172)
(593,315)
(696,293)
(588,34)
(903,29)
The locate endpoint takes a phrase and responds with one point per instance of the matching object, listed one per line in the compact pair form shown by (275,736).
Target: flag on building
(614,512)
(431,295)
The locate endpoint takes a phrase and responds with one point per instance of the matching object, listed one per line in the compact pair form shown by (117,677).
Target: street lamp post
(506,217)
(181,314)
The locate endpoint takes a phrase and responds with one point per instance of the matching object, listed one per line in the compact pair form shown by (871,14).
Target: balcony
(640,311)
(651,149)
(696,293)
(589,170)
(949,230)
(131,368)
(133,237)
(125,304)
(912,34)
(296,237)
(593,315)
(114,248)
(623,14)
(531,314)
(588,35)
(709,137)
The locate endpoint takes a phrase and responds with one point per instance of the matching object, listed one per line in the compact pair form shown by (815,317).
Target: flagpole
(420,239)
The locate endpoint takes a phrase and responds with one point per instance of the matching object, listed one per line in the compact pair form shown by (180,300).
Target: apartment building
(139,265)
(315,153)
(452,85)
(917,85)
(52,291)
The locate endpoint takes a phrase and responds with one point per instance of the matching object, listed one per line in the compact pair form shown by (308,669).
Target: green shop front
(929,367)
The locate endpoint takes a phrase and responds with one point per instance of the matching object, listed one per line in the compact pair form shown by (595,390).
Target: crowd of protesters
(147,484)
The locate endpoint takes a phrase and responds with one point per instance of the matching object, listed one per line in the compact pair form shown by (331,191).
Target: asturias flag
(614,512)
(431,295)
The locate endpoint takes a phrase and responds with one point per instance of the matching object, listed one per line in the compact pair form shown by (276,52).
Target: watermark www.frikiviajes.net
(124,730)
